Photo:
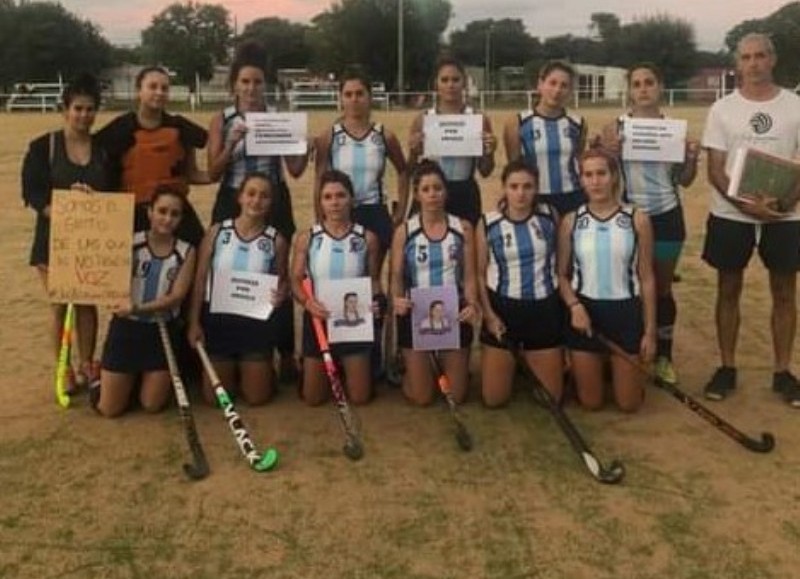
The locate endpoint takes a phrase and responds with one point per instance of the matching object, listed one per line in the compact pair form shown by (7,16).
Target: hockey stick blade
(611,474)
(765,444)
(463,437)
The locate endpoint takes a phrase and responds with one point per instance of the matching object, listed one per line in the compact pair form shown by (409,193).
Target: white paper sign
(662,140)
(271,134)
(350,304)
(453,135)
(243,293)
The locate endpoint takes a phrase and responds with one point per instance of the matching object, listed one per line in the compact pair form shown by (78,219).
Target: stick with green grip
(260,462)
(64,355)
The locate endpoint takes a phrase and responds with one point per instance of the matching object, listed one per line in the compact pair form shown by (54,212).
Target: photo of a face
(434,318)
(350,316)
(436,321)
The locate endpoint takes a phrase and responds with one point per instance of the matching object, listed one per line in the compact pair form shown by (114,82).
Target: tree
(606,29)
(365,32)
(508,42)
(189,38)
(666,41)
(284,41)
(783,27)
(40,41)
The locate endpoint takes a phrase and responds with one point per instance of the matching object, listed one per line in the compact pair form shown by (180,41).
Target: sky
(123,20)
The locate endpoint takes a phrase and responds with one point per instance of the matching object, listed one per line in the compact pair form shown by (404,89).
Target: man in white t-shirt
(761,115)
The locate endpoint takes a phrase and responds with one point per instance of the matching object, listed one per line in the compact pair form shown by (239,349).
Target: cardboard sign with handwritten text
(91,238)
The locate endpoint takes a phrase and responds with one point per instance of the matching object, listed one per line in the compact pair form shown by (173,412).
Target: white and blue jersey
(456,168)
(522,255)
(605,255)
(232,253)
(363,160)
(154,276)
(434,262)
(241,164)
(552,146)
(650,185)
(336,258)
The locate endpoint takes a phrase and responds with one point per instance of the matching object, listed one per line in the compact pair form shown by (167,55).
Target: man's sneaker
(786,384)
(722,383)
(665,371)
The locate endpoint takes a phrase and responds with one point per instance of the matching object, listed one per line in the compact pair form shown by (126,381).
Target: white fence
(484,100)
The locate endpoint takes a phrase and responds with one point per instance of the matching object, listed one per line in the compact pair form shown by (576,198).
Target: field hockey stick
(765,444)
(353,448)
(463,437)
(611,474)
(64,357)
(198,468)
(260,462)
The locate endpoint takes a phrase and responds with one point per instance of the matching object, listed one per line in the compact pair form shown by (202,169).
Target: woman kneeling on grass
(516,248)
(335,248)
(605,276)
(240,346)
(163,269)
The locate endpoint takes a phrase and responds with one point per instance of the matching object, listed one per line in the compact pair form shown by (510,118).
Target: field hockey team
(580,249)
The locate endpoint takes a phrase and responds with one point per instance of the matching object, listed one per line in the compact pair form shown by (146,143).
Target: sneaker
(71,382)
(722,383)
(94,394)
(786,384)
(665,371)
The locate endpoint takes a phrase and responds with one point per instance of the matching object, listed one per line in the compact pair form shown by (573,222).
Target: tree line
(39,40)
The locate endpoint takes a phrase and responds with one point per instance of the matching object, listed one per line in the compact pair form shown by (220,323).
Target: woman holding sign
(550,138)
(605,277)
(463,193)
(433,249)
(229,162)
(67,159)
(163,269)
(335,248)
(516,247)
(149,147)
(241,277)
(653,186)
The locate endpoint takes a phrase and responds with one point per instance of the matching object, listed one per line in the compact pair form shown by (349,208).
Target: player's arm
(472,311)
(511,139)
(180,288)
(647,282)
(486,162)
(395,153)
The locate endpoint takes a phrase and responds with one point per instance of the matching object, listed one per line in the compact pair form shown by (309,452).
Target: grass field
(82,497)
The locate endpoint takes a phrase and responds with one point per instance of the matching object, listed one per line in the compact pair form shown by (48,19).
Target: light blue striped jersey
(522,254)
(232,253)
(605,255)
(363,160)
(240,164)
(456,168)
(154,276)
(650,185)
(335,258)
(552,145)
(434,262)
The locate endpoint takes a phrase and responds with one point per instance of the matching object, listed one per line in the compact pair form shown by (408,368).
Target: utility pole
(400,42)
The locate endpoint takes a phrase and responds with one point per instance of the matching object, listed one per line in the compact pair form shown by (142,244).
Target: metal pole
(487,72)
(400,42)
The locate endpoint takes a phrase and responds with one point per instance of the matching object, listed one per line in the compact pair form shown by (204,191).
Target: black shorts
(190,229)
(530,324)
(404,339)
(339,351)
(669,226)
(226,206)
(563,203)
(376,219)
(133,347)
(729,244)
(621,321)
(40,248)
(464,200)
(235,337)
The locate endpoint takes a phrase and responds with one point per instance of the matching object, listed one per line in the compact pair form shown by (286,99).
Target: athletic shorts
(669,233)
(133,346)
(621,321)
(464,200)
(231,337)
(729,244)
(404,339)
(339,351)
(530,324)
(375,218)
(564,203)
(226,206)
